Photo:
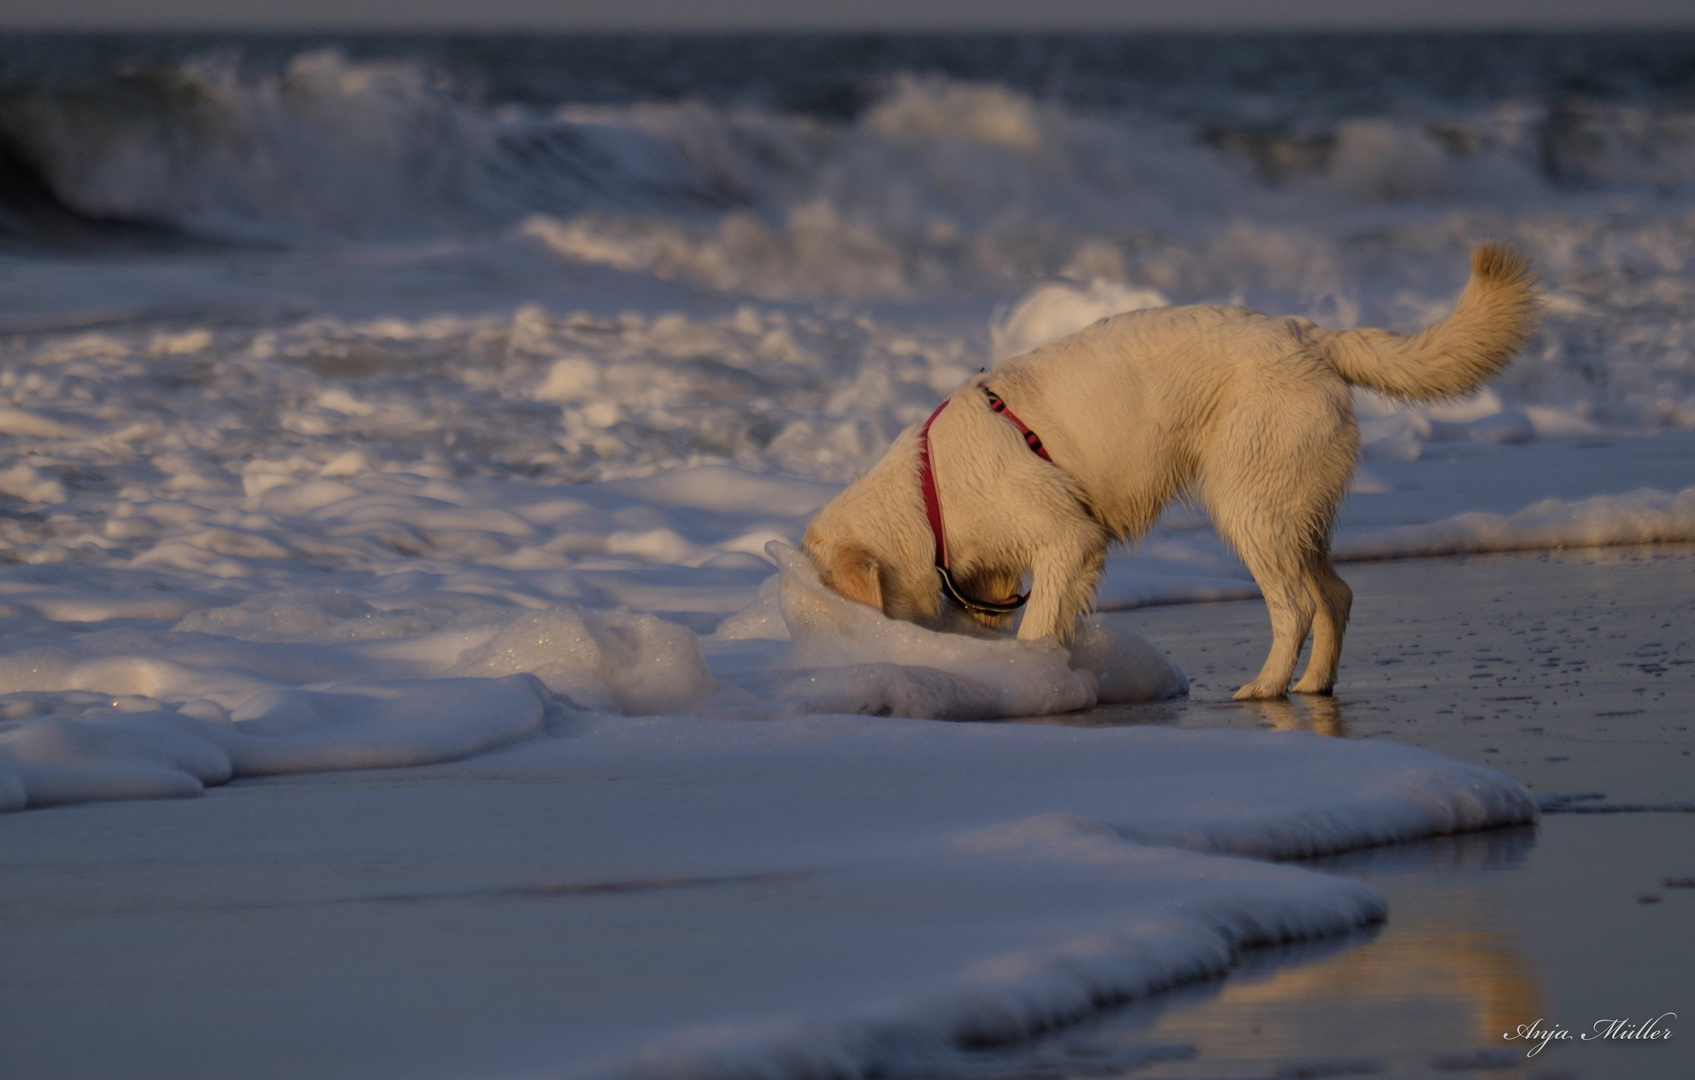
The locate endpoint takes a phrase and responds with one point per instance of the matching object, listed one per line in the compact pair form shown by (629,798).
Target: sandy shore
(1573,672)
(1568,671)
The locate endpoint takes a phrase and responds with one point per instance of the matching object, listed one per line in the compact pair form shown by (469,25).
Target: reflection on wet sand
(1319,714)
(1435,986)
(1443,968)
(1413,998)
(1487,933)
(1409,981)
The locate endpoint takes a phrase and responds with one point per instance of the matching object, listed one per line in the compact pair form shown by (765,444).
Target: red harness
(933,506)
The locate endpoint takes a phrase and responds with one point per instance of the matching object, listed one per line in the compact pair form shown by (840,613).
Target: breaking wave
(937,184)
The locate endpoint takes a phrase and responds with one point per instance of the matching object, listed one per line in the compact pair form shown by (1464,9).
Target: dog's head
(872,544)
(855,571)
(848,568)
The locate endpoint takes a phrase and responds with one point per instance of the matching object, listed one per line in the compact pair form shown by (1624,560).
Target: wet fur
(1251,416)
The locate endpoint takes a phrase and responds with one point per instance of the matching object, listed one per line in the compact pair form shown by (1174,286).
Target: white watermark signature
(1542,1033)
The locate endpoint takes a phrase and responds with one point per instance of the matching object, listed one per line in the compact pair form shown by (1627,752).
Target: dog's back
(1136,406)
(1141,406)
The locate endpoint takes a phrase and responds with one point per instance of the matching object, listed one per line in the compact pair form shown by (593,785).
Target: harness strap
(1031,439)
(933,506)
(927,480)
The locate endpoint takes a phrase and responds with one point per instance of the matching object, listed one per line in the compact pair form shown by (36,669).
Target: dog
(1037,466)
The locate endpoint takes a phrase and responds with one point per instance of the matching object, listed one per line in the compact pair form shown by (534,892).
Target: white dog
(1251,415)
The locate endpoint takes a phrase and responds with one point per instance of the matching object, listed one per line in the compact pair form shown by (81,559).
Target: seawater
(844,223)
(930,143)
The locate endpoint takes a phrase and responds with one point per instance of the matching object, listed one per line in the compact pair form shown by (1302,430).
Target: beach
(446,920)
(407,667)
(1475,940)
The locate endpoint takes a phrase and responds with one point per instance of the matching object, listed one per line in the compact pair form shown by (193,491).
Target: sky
(837,14)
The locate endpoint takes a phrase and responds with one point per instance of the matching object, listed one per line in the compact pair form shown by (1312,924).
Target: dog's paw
(1310,685)
(1257,691)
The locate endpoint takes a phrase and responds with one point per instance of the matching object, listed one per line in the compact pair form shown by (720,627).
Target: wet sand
(1571,671)
(1486,932)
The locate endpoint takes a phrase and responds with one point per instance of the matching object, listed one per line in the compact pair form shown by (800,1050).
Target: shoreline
(1487,930)
(309,847)
(1563,669)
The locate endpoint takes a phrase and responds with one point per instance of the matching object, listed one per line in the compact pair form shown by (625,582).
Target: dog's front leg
(1062,587)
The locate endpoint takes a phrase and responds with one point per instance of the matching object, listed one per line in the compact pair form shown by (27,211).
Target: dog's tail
(1492,321)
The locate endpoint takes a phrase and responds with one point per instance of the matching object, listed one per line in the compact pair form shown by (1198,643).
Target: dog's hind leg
(1269,542)
(1272,475)
(1332,602)
(1291,610)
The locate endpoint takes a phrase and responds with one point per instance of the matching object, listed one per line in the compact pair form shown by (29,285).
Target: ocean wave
(325,147)
(936,185)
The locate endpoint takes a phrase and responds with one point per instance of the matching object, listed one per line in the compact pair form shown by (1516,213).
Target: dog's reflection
(1321,715)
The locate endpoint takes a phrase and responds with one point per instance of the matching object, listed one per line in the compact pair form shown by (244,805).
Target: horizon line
(705,30)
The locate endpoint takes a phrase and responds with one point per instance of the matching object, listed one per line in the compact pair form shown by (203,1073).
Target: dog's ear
(856,574)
